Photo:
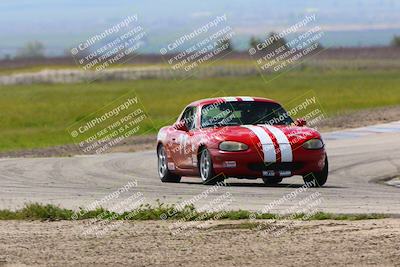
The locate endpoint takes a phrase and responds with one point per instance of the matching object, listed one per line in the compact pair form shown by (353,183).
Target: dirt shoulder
(139,143)
(220,243)
(361,118)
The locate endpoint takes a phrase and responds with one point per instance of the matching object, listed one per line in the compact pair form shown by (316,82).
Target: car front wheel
(206,169)
(165,175)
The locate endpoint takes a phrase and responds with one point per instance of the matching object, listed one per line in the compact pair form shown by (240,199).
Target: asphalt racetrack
(357,167)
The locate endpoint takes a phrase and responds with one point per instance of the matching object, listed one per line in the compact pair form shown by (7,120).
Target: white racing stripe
(266,142)
(246,98)
(284,144)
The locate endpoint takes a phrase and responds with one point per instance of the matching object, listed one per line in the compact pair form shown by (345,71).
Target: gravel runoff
(219,243)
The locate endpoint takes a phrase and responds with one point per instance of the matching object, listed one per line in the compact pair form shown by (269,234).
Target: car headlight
(313,144)
(232,146)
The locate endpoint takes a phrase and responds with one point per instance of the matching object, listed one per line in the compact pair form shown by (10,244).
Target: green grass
(35,211)
(38,115)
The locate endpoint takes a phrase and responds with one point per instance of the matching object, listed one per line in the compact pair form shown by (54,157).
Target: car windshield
(244,113)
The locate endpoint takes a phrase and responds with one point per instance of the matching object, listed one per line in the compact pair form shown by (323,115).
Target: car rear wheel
(165,175)
(272,180)
(317,179)
(207,173)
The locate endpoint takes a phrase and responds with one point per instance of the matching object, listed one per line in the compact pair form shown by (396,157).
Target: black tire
(317,179)
(206,169)
(165,175)
(272,180)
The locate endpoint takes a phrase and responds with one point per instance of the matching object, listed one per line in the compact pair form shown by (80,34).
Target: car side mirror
(181,126)
(301,122)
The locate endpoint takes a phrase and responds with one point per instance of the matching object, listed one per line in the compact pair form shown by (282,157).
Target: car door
(184,139)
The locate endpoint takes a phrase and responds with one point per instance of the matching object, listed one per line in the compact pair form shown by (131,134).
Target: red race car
(241,137)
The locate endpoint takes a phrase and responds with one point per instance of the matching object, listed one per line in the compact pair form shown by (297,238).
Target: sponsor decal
(246,98)
(171,166)
(229,99)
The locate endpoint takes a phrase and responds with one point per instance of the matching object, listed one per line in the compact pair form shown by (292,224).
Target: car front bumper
(249,164)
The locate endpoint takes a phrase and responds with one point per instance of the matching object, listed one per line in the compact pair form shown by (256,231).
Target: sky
(61,24)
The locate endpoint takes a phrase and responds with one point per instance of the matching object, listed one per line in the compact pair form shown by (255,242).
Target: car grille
(276,166)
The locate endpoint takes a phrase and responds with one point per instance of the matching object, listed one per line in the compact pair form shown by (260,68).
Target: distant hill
(64,23)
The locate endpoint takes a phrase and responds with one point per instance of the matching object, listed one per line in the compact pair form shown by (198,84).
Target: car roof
(221,99)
